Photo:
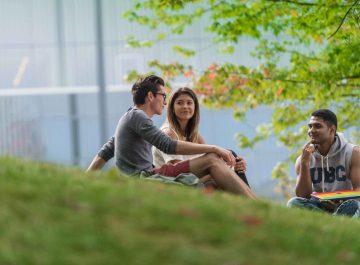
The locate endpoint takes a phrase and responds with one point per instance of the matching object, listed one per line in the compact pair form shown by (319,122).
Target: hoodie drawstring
(327,163)
(323,171)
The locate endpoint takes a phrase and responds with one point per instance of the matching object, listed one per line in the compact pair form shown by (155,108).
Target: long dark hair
(192,128)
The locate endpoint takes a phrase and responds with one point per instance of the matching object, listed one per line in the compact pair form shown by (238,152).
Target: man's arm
(105,154)
(96,164)
(145,127)
(355,168)
(188,148)
(303,186)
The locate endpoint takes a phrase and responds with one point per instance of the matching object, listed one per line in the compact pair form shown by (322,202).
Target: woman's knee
(212,158)
(205,162)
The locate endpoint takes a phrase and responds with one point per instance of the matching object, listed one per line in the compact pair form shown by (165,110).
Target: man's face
(319,131)
(159,101)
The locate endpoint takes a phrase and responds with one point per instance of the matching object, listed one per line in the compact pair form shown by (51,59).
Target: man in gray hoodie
(327,163)
(136,134)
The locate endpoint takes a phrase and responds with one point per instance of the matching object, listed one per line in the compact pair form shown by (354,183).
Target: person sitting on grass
(182,123)
(327,163)
(183,117)
(136,134)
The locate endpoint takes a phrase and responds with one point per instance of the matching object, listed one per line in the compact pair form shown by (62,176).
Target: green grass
(55,215)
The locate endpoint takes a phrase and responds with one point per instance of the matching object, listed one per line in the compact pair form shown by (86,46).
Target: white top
(160,158)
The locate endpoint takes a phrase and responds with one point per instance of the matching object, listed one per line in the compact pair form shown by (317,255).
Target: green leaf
(183,51)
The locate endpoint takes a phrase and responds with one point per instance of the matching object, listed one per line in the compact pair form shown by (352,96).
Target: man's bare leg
(224,176)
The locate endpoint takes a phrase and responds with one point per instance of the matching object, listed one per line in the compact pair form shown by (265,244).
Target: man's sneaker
(348,208)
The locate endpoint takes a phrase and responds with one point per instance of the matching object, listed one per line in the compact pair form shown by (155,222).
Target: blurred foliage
(320,38)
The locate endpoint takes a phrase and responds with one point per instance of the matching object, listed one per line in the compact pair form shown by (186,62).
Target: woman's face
(184,107)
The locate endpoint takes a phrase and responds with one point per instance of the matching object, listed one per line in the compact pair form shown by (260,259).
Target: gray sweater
(107,151)
(134,136)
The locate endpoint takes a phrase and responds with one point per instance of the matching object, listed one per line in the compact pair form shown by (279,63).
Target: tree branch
(304,3)
(351,77)
(307,82)
(295,2)
(214,6)
(305,56)
(347,85)
(343,19)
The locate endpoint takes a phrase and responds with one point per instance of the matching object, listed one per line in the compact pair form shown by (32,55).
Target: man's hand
(330,205)
(303,186)
(173,162)
(226,155)
(307,151)
(240,165)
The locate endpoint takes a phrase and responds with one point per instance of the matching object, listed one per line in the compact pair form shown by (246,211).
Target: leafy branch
(343,19)
(305,3)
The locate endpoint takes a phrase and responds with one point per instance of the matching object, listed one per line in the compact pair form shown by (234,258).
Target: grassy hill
(55,215)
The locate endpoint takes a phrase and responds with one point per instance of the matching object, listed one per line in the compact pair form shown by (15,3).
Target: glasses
(163,94)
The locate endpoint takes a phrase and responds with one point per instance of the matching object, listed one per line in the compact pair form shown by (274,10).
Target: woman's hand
(240,164)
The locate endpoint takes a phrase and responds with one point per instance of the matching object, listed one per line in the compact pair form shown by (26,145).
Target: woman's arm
(166,157)
(200,140)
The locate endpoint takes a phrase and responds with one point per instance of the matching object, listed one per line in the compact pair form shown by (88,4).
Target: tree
(320,38)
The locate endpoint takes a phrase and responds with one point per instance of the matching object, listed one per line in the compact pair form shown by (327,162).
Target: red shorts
(171,170)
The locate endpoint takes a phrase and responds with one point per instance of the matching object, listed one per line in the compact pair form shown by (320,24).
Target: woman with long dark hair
(182,123)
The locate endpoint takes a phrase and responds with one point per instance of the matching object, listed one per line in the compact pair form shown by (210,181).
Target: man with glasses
(136,134)
(163,94)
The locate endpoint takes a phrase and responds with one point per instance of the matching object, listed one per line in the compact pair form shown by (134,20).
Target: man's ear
(333,128)
(150,95)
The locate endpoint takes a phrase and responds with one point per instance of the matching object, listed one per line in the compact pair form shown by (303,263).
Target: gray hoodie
(332,172)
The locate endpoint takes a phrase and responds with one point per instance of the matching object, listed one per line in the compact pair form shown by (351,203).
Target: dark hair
(326,115)
(142,87)
(192,128)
